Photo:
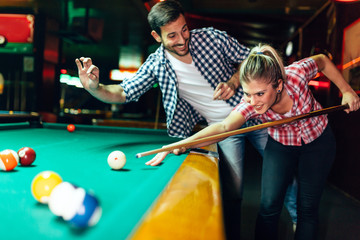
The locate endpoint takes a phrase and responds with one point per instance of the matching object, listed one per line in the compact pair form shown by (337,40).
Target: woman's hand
(352,99)
(157,159)
(161,156)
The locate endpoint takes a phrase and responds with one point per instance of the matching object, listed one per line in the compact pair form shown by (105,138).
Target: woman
(305,148)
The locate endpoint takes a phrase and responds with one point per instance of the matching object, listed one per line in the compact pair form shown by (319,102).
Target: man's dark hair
(163,13)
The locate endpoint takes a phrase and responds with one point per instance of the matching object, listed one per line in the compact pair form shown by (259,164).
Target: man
(196,72)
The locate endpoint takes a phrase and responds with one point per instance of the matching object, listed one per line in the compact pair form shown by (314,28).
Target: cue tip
(138,155)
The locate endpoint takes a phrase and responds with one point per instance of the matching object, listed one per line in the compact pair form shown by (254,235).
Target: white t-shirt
(194,88)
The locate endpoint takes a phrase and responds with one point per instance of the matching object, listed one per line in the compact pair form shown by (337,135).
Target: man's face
(175,37)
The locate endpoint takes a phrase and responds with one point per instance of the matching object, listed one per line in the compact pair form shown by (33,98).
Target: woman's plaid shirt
(298,76)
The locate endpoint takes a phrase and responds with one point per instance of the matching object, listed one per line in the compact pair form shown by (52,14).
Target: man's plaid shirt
(215,54)
(297,86)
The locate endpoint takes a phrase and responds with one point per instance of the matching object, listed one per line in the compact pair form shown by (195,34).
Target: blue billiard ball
(88,212)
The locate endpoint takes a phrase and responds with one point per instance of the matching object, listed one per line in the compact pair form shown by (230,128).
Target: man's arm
(109,93)
(235,53)
(89,78)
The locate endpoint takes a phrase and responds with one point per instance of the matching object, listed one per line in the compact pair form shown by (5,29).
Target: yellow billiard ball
(42,185)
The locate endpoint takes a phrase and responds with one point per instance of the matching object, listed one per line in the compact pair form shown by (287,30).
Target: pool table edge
(190,206)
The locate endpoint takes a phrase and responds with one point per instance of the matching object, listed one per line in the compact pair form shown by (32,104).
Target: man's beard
(174,51)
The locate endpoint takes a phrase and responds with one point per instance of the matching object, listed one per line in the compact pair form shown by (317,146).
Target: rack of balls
(74,204)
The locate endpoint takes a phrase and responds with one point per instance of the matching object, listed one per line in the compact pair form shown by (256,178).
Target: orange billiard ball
(43,184)
(9,159)
(27,156)
(71,127)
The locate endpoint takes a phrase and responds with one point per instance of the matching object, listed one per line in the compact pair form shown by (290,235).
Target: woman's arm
(333,74)
(234,121)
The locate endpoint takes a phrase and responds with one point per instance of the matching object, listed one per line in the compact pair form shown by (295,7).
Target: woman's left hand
(161,156)
(157,159)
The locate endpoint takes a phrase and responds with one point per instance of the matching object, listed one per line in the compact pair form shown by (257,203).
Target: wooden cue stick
(245,130)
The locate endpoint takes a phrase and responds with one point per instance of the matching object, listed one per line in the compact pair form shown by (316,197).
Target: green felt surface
(81,158)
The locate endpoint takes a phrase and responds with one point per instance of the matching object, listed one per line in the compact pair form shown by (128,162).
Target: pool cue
(245,130)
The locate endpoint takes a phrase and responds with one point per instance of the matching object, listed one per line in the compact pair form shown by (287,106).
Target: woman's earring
(278,91)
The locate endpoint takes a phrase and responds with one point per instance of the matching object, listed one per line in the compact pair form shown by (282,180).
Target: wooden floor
(339,213)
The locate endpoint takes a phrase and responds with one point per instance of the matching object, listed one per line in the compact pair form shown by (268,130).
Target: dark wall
(345,172)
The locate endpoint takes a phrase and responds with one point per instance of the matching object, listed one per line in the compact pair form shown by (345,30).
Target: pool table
(179,199)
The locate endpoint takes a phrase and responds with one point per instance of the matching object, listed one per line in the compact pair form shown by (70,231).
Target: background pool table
(127,196)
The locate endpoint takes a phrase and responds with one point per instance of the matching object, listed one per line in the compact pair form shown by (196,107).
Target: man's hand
(88,73)
(224,91)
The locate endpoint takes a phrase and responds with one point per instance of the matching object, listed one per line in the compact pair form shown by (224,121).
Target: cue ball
(116,160)
(27,156)
(43,184)
(71,127)
(9,159)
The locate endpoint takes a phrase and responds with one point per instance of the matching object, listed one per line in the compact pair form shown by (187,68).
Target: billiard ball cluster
(9,159)
(75,205)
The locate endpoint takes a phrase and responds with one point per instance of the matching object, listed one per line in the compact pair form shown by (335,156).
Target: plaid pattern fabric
(298,76)
(215,54)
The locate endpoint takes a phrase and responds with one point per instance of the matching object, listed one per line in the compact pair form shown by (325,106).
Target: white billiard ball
(116,160)
(61,197)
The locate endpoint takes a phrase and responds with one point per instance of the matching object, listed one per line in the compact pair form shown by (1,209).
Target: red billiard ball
(27,156)
(71,127)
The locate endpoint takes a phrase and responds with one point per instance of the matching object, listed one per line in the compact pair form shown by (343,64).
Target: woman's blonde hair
(263,63)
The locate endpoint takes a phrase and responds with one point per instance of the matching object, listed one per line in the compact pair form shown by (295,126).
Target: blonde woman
(305,148)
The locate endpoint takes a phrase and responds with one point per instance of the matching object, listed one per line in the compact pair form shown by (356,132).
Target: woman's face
(259,94)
